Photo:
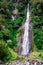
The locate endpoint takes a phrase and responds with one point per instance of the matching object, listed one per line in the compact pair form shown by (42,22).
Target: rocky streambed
(28,62)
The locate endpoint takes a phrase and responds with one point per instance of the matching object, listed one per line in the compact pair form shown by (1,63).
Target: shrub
(4,52)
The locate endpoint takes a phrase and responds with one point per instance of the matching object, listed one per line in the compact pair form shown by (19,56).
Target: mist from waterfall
(25,44)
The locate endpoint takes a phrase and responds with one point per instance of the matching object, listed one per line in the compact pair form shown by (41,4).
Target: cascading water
(25,44)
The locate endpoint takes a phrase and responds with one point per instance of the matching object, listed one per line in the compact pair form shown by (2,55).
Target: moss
(33,46)
(36,55)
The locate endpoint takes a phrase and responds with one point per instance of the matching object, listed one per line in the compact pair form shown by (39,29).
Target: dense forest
(9,28)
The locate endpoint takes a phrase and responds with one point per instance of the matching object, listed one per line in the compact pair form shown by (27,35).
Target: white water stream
(25,44)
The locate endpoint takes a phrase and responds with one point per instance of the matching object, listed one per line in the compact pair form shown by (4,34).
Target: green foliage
(37,22)
(13,27)
(6,7)
(36,55)
(9,28)
(4,52)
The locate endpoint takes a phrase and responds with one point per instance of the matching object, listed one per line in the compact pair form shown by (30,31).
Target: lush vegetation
(9,28)
(37,22)
(36,11)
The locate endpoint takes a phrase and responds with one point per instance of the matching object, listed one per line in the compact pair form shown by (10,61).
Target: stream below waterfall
(32,62)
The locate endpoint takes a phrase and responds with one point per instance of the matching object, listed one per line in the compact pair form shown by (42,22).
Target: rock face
(14,13)
(32,62)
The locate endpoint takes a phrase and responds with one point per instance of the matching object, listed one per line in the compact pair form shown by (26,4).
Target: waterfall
(25,44)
